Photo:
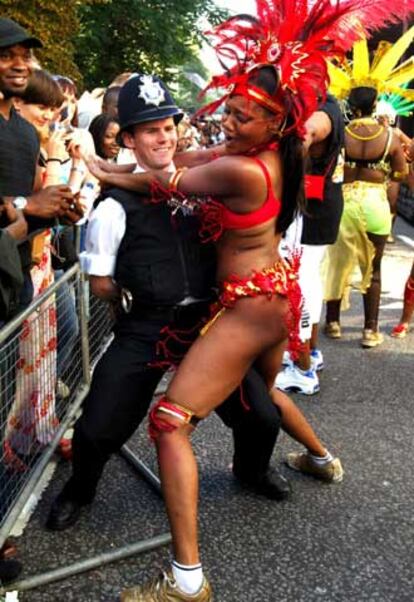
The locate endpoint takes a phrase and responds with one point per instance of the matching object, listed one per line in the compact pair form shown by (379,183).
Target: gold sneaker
(302,462)
(371,338)
(164,589)
(333,330)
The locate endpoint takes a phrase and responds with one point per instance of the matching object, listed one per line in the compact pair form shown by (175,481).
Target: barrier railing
(47,355)
(45,365)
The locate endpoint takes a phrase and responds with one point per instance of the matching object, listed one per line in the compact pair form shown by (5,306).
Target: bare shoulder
(242,165)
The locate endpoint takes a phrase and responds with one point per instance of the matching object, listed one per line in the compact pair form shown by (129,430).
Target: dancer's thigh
(269,363)
(217,361)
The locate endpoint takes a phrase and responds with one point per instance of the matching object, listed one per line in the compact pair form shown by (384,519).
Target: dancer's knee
(166,416)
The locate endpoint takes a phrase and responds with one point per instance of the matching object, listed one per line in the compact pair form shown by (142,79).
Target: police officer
(152,264)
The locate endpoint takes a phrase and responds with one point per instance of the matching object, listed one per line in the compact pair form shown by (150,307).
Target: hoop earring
(279,134)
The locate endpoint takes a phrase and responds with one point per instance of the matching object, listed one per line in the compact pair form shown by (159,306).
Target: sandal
(333,330)
(400,331)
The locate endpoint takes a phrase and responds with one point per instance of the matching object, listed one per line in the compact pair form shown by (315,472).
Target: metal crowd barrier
(47,354)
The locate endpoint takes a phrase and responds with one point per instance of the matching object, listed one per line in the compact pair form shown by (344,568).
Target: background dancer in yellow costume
(373,157)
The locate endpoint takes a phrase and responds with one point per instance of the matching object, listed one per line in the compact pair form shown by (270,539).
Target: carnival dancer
(373,156)
(272,90)
(154,268)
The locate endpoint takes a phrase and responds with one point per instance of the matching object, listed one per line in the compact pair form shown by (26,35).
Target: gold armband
(399,175)
(175,178)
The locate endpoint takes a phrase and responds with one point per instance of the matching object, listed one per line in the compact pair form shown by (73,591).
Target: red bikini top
(269,209)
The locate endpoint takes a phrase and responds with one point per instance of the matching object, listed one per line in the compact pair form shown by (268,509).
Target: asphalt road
(328,543)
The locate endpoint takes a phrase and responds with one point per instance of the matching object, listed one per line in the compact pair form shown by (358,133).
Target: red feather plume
(297,37)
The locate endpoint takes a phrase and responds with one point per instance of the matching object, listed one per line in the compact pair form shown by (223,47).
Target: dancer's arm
(199,157)
(318,128)
(183,159)
(228,176)
(398,162)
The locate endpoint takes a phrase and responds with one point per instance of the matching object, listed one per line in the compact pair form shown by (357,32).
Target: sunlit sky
(235,6)
(239,6)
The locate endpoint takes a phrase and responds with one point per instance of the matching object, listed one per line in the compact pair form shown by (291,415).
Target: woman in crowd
(77,138)
(104,130)
(32,419)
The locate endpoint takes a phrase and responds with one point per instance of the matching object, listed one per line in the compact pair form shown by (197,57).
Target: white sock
(189,578)
(321,460)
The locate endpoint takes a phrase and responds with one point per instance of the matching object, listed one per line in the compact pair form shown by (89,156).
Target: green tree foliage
(94,40)
(56,23)
(185,90)
(139,35)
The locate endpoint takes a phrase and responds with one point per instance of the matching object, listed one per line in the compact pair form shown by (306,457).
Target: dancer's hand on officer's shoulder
(94,165)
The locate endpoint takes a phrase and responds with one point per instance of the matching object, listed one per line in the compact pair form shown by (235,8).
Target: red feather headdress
(297,38)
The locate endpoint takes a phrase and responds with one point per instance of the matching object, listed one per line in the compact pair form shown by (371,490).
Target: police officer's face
(154,143)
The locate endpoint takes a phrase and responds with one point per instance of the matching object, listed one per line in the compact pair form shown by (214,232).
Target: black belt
(169,313)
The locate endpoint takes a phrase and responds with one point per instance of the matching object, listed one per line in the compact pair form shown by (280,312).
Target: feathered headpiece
(381,73)
(296,37)
(393,105)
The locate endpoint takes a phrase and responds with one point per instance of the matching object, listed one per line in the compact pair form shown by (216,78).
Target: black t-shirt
(19,150)
(322,218)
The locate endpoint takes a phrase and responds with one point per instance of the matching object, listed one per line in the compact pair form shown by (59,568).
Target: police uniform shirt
(106,229)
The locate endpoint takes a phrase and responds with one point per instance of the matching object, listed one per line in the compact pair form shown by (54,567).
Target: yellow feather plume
(340,81)
(382,75)
(360,67)
(392,56)
(382,48)
(402,74)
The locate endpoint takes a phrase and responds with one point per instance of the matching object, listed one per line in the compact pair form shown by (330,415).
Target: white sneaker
(294,379)
(316,357)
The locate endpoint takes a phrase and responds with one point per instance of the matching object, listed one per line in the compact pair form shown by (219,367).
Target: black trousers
(121,391)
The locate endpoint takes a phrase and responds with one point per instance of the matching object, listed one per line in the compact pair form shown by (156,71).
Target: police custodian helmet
(145,98)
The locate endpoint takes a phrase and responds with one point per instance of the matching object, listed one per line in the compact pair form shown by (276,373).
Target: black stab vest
(161,259)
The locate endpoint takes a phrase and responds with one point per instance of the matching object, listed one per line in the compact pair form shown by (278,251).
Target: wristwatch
(20,202)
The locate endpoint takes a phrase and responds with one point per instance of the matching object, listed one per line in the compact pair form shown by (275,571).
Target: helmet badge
(151,91)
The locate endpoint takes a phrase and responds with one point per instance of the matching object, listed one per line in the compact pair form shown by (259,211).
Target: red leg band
(409,292)
(158,425)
